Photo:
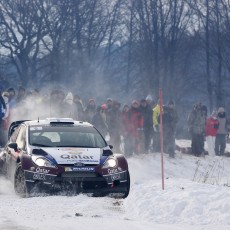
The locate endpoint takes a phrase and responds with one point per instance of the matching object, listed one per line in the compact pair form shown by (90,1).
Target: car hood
(73,155)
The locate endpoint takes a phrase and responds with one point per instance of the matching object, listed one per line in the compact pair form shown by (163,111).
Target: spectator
(99,120)
(156,128)
(57,97)
(79,111)
(204,113)
(2,114)
(114,123)
(146,112)
(68,108)
(150,101)
(11,97)
(109,103)
(211,128)
(136,121)
(220,143)
(169,120)
(90,110)
(21,94)
(196,122)
(7,114)
(126,131)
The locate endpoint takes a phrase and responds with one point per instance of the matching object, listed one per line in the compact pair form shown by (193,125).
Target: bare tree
(21,28)
(158,30)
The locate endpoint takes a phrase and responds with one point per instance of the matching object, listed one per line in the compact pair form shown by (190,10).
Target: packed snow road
(194,198)
(61,212)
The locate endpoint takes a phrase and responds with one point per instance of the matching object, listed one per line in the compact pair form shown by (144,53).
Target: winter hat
(109,100)
(143,101)
(11,90)
(69,98)
(135,102)
(214,113)
(91,100)
(221,110)
(116,104)
(104,106)
(171,102)
(125,107)
(21,88)
(204,108)
(6,96)
(149,98)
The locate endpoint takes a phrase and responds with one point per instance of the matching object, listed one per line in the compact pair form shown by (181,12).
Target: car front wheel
(128,186)
(19,181)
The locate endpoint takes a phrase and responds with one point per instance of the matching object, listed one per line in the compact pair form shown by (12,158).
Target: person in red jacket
(211,128)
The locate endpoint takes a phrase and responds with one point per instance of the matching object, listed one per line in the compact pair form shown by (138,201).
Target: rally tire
(128,186)
(19,182)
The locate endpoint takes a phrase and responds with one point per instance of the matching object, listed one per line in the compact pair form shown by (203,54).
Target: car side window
(14,135)
(21,138)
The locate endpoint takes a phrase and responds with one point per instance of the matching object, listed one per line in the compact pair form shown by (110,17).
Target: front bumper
(79,182)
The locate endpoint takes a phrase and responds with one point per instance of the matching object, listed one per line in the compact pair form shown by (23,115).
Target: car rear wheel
(19,181)
(2,168)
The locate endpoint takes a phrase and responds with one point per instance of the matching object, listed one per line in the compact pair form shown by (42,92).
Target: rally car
(62,155)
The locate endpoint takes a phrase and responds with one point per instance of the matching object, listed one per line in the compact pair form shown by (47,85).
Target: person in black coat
(113,118)
(169,121)
(99,120)
(147,114)
(2,110)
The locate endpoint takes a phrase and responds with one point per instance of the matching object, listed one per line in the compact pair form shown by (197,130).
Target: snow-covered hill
(196,196)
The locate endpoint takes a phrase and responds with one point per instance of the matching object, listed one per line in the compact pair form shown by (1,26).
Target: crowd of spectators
(132,128)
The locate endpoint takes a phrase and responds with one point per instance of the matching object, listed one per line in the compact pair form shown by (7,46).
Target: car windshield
(65,136)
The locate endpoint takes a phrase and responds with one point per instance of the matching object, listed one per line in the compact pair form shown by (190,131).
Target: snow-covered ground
(196,196)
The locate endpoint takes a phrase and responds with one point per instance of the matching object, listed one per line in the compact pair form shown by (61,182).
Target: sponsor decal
(79,164)
(74,149)
(38,176)
(71,155)
(40,170)
(81,169)
(67,156)
(74,152)
(33,128)
(115,177)
(84,169)
(112,171)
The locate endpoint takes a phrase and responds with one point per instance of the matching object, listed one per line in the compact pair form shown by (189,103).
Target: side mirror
(111,146)
(107,152)
(13,146)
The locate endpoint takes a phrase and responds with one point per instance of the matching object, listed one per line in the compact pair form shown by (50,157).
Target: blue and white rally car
(64,155)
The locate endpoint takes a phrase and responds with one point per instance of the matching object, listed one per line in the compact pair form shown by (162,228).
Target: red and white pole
(161,139)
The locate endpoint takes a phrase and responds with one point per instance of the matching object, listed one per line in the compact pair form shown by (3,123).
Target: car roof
(57,121)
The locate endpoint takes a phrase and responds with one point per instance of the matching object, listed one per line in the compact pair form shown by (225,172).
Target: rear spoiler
(13,126)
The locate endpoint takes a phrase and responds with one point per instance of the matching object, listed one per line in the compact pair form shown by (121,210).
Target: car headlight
(43,162)
(110,163)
